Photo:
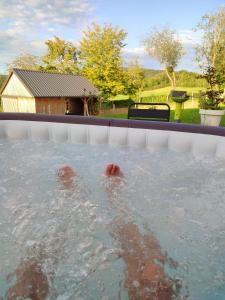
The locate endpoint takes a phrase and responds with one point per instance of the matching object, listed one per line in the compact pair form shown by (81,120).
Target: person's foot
(66,175)
(113,170)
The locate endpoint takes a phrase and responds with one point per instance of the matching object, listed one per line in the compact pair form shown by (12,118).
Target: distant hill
(2,79)
(155,79)
(151,72)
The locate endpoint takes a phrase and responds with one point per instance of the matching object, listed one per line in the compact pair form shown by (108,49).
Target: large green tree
(61,57)
(164,46)
(135,79)
(101,59)
(210,53)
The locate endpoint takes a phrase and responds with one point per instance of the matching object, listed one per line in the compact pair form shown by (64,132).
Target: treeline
(158,79)
(154,79)
(2,79)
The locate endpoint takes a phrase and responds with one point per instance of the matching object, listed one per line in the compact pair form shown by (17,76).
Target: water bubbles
(136,284)
(176,198)
(3,190)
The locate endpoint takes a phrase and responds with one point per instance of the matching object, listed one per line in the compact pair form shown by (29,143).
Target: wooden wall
(51,106)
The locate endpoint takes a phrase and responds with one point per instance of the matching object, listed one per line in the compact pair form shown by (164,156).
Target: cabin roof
(45,84)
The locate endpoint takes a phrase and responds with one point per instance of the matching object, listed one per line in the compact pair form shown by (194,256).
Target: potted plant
(209,102)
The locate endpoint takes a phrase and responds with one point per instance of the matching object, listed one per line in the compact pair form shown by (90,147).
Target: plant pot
(211,117)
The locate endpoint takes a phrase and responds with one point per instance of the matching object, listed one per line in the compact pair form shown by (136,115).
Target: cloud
(139,53)
(25,24)
(38,12)
(38,47)
(190,37)
(134,51)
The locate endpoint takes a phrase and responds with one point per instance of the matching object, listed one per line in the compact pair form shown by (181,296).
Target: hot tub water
(174,196)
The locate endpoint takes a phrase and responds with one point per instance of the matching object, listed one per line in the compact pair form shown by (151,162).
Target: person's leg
(146,278)
(31,282)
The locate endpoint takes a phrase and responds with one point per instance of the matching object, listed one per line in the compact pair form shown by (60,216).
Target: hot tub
(168,212)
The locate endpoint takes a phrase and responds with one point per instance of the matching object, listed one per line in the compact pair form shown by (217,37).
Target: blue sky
(25,25)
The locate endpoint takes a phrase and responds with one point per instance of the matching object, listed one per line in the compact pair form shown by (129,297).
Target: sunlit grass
(166,91)
(190,116)
(162,91)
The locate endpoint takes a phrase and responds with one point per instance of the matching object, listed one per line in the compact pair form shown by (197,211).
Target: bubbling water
(175,197)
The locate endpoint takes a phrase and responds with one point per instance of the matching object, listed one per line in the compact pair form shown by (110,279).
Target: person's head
(113,170)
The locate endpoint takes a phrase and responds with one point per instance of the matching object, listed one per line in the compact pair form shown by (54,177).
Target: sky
(26,25)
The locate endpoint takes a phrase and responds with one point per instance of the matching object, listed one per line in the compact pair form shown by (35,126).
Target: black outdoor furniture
(149,111)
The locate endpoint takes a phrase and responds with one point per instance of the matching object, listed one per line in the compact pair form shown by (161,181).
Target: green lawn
(166,90)
(160,92)
(159,95)
(190,116)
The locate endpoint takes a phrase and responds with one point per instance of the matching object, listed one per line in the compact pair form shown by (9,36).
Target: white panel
(157,139)
(180,141)
(220,151)
(16,130)
(204,144)
(118,136)
(15,87)
(59,133)
(39,131)
(98,134)
(78,133)
(137,137)
(198,144)
(2,130)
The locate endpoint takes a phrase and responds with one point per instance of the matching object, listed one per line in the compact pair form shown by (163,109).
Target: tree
(212,97)
(61,57)
(25,61)
(101,61)
(163,46)
(2,79)
(211,52)
(135,79)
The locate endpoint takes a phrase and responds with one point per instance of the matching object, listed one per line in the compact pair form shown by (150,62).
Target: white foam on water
(179,199)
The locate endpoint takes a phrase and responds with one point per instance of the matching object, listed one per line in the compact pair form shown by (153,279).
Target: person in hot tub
(146,278)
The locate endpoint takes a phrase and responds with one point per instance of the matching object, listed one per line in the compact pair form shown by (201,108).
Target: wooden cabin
(46,93)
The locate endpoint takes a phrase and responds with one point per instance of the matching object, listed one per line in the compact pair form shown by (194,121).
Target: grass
(190,116)
(158,95)
(166,90)
(159,92)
